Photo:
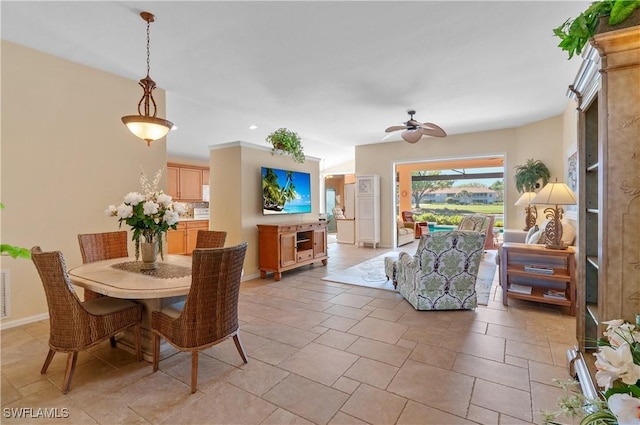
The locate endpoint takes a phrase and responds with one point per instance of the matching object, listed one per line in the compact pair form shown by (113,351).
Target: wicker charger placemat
(164,271)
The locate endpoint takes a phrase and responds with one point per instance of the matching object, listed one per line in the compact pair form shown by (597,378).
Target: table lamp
(530,210)
(556,193)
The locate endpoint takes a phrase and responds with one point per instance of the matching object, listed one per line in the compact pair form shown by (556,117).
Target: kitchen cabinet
(183,239)
(290,245)
(184,182)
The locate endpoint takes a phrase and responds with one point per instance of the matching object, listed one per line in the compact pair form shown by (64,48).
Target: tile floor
(319,352)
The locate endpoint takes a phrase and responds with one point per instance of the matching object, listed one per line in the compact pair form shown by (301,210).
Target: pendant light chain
(148,48)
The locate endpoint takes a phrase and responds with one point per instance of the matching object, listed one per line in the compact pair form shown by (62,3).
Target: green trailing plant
(14,251)
(528,174)
(575,33)
(286,142)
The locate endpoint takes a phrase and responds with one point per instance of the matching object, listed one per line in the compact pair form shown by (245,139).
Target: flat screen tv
(285,192)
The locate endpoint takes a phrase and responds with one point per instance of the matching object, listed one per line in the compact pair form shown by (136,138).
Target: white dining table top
(101,277)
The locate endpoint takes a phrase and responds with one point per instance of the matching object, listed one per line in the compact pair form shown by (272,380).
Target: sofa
(405,234)
(442,274)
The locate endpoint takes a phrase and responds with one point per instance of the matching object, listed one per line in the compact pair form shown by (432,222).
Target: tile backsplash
(189,206)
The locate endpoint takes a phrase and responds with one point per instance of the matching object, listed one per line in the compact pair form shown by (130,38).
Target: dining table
(154,289)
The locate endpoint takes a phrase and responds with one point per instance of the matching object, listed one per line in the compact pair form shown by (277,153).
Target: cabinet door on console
(320,243)
(288,249)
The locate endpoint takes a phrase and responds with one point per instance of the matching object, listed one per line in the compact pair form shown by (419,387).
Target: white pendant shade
(411,136)
(147,128)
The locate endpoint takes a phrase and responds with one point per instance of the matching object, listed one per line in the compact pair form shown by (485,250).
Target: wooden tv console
(286,246)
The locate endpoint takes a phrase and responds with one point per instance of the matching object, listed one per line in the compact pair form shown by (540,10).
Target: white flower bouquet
(618,373)
(150,214)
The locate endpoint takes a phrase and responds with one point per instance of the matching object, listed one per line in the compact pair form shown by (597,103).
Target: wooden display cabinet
(541,269)
(288,246)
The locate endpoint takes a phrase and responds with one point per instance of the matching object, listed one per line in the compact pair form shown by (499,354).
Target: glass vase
(149,251)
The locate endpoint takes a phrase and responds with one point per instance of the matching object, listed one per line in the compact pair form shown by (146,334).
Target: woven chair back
(210,239)
(67,318)
(103,246)
(211,310)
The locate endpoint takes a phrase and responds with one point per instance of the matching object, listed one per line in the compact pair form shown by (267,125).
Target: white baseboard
(8,324)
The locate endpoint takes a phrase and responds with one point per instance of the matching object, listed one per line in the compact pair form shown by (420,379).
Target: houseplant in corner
(575,33)
(286,142)
(528,174)
(150,216)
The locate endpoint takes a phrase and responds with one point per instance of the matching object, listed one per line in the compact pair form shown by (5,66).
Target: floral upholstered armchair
(442,274)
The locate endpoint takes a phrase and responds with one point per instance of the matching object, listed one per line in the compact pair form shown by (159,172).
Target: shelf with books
(547,274)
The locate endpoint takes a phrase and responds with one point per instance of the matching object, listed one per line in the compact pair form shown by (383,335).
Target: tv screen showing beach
(285,192)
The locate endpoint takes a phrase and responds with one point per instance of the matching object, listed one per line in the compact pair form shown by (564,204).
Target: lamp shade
(556,193)
(526,199)
(146,127)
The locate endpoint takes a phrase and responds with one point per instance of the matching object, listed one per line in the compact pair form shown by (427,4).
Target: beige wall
(543,140)
(65,157)
(236,198)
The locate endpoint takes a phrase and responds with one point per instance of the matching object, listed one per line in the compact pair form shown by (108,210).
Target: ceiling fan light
(147,128)
(411,136)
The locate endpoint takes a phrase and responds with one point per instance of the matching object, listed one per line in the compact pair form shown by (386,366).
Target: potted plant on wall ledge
(528,174)
(286,142)
(575,33)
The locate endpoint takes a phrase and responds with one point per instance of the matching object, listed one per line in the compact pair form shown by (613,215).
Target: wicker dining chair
(102,246)
(75,325)
(210,239)
(210,312)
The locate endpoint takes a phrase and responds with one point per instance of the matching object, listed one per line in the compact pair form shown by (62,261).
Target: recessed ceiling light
(253,127)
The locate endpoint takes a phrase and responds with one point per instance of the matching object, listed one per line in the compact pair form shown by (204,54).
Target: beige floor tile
(209,369)
(424,383)
(271,352)
(351,300)
(380,330)
(372,372)
(485,346)
(416,413)
(374,406)
(500,398)
(544,373)
(386,353)
(483,416)
(308,399)
(430,335)
(348,312)
(385,314)
(226,405)
(489,370)
(336,339)
(282,417)
(529,351)
(516,334)
(386,303)
(341,418)
(281,333)
(339,323)
(544,398)
(434,356)
(319,363)
(346,385)
(256,377)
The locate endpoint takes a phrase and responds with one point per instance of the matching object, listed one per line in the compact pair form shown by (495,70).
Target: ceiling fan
(414,130)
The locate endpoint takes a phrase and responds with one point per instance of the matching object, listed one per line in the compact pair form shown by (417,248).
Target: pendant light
(146,125)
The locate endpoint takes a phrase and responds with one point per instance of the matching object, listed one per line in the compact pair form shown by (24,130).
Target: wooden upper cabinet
(173,182)
(190,184)
(184,182)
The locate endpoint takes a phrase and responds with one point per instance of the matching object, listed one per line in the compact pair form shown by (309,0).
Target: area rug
(370,273)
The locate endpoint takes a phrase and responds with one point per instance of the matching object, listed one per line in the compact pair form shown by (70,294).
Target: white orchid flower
(111,211)
(626,408)
(133,198)
(124,211)
(150,208)
(613,363)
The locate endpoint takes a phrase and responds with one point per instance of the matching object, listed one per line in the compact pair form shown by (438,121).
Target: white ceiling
(338,73)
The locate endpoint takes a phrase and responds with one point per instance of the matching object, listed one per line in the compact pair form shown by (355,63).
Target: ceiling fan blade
(431,129)
(395,128)
(411,136)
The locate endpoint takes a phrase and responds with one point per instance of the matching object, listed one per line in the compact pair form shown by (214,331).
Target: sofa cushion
(568,233)
(530,233)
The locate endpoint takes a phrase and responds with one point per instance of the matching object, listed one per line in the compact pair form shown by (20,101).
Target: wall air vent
(4,294)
